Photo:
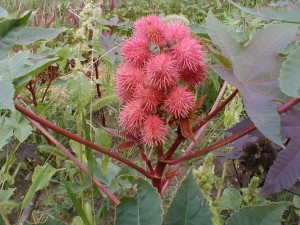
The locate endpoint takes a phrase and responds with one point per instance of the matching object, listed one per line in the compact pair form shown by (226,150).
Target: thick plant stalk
(75,160)
(68,134)
(201,131)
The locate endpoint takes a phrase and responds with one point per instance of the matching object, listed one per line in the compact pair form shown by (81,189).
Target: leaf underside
(143,209)
(285,170)
(255,71)
(189,205)
(269,214)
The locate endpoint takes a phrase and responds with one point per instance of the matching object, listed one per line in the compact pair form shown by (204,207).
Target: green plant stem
(79,133)
(225,166)
(75,160)
(74,137)
(4,217)
(281,109)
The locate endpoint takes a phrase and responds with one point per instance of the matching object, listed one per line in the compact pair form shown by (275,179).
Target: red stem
(31,89)
(82,141)
(217,110)
(75,160)
(146,159)
(51,78)
(281,109)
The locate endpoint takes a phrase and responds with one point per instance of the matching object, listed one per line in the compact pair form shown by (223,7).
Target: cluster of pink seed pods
(162,63)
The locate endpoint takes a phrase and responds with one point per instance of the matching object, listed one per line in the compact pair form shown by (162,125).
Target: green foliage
(101,102)
(10,29)
(40,179)
(189,206)
(140,209)
(80,90)
(269,214)
(102,138)
(78,206)
(30,35)
(17,71)
(289,75)
(14,125)
(7,205)
(231,200)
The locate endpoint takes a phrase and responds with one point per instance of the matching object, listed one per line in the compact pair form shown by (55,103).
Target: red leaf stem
(81,140)
(281,109)
(75,160)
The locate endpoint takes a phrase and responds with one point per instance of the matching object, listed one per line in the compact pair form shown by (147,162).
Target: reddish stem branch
(31,89)
(82,141)
(75,160)
(161,165)
(198,135)
(51,78)
(146,159)
(214,146)
(180,138)
(281,109)
(217,110)
(175,144)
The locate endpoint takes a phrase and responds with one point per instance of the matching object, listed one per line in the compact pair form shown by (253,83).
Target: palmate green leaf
(6,129)
(6,194)
(290,75)
(111,171)
(22,128)
(7,92)
(30,35)
(287,12)
(269,214)
(80,90)
(17,71)
(40,179)
(102,138)
(16,125)
(143,209)
(10,29)
(255,71)
(189,205)
(231,199)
